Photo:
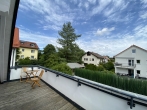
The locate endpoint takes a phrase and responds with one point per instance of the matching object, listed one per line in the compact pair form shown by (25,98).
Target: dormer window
(88,54)
(133,50)
(32,45)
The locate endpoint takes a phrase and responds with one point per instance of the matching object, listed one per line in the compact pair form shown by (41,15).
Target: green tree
(53,60)
(67,41)
(48,50)
(100,68)
(25,61)
(17,53)
(40,52)
(91,67)
(62,67)
(78,54)
(108,66)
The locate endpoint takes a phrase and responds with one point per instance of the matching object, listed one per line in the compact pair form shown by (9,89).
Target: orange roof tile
(27,44)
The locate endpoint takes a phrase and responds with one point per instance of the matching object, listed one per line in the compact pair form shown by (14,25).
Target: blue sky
(107,26)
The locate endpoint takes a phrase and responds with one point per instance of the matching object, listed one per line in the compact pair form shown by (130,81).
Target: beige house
(28,49)
(92,58)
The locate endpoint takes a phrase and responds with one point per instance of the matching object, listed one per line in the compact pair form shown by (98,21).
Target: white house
(92,58)
(106,59)
(132,61)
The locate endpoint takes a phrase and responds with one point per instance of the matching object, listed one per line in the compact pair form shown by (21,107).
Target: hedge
(133,85)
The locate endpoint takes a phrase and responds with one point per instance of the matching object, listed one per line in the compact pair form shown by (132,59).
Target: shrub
(62,68)
(100,68)
(128,84)
(91,67)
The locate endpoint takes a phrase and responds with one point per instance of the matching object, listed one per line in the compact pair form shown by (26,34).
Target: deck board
(20,96)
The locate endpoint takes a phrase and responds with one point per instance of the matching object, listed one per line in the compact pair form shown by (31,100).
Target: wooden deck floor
(20,96)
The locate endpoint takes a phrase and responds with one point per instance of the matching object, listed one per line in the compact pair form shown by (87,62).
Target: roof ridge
(129,48)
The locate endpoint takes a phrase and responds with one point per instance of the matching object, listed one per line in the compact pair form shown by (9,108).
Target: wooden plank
(20,96)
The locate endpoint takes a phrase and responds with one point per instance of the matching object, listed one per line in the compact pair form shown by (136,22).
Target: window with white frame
(133,50)
(23,50)
(22,56)
(32,51)
(32,57)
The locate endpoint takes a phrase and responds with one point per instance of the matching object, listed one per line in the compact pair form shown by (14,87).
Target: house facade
(28,49)
(106,59)
(92,58)
(132,62)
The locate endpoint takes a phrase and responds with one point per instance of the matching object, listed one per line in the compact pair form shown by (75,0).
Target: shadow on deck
(20,96)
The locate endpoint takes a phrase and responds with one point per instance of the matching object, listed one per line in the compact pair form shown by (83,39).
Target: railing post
(131,103)
(79,84)
(57,75)
(32,68)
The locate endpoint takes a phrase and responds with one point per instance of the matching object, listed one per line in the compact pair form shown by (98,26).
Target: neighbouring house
(106,59)
(92,58)
(132,61)
(15,45)
(75,65)
(28,49)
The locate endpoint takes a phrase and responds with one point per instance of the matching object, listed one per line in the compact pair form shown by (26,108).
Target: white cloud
(54,27)
(113,46)
(92,1)
(53,13)
(111,9)
(144,2)
(104,31)
(86,5)
(100,7)
(41,39)
(143,15)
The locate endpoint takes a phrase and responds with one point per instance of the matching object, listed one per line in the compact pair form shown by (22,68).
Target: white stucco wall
(139,55)
(121,70)
(95,62)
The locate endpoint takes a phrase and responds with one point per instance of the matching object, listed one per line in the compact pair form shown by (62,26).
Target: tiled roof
(95,54)
(105,57)
(16,43)
(129,48)
(27,44)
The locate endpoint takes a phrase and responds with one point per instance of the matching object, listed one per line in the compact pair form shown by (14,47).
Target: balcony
(83,93)
(124,65)
(20,96)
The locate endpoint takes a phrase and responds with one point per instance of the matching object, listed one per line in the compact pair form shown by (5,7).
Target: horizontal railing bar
(90,83)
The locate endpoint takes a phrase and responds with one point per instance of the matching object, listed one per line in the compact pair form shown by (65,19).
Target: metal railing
(105,88)
(125,64)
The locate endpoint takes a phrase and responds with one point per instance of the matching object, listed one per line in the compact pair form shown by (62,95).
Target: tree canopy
(70,50)
(48,50)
